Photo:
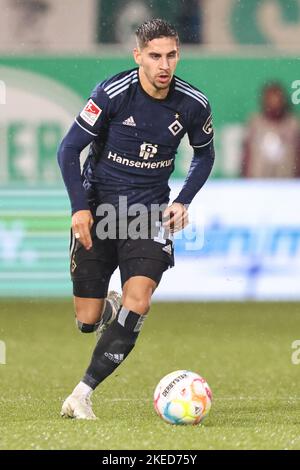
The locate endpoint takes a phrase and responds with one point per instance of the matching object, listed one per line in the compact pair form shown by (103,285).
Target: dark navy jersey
(135,136)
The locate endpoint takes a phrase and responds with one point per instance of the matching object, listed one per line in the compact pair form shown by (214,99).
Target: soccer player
(134,123)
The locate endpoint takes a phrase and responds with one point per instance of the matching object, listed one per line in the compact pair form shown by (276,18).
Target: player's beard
(161,86)
(152,79)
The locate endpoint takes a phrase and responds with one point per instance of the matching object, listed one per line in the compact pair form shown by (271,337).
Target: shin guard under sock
(114,346)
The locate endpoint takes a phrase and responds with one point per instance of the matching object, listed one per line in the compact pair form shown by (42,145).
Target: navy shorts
(92,269)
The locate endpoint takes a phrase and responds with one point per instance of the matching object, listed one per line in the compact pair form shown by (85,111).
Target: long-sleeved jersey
(133,141)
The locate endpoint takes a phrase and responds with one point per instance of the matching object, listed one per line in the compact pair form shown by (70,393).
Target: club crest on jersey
(175,127)
(148,150)
(91,112)
(208,127)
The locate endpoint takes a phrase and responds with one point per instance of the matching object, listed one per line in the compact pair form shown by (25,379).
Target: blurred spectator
(189,21)
(30,20)
(272,144)
(118,19)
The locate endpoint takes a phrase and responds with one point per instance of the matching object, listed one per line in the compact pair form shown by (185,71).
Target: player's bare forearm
(82,222)
(177,217)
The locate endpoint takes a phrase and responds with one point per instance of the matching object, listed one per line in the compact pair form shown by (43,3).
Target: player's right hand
(82,222)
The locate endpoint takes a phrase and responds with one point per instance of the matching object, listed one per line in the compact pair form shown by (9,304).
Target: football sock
(87,327)
(113,346)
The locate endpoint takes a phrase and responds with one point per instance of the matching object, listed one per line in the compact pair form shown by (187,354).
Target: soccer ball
(182,397)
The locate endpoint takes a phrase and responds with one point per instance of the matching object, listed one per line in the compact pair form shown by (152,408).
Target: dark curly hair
(155,28)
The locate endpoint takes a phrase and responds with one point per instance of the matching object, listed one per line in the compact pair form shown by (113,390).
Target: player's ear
(137,55)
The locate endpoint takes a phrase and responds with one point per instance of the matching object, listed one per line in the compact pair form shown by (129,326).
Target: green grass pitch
(243,350)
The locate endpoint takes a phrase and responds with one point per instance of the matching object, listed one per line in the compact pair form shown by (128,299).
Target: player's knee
(86,327)
(140,305)
(88,314)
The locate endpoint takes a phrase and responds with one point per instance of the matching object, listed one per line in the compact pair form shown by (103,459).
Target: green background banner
(231,84)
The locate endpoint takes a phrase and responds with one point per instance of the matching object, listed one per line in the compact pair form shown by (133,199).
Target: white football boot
(114,298)
(78,407)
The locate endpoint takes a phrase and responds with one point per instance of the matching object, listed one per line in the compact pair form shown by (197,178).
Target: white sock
(82,389)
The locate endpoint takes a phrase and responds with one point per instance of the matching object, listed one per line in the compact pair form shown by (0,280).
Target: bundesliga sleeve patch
(91,112)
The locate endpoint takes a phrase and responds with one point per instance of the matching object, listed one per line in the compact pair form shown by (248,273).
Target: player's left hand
(177,217)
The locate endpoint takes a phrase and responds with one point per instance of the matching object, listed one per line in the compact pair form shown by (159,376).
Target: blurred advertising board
(243,242)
